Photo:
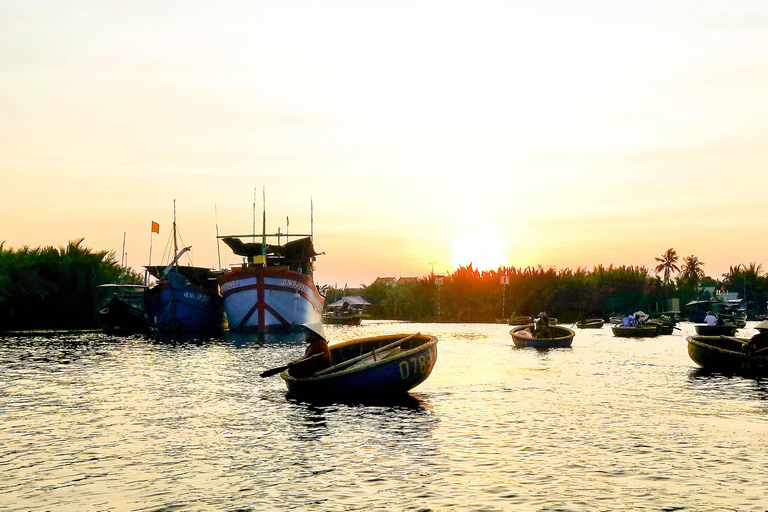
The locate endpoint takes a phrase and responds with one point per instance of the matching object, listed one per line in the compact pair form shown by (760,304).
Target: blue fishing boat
(380,367)
(185,301)
(560,337)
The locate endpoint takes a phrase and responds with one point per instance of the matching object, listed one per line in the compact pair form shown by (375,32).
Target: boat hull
(720,354)
(635,332)
(120,317)
(591,324)
(715,330)
(386,378)
(175,306)
(562,337)
(260,299)
(343,319)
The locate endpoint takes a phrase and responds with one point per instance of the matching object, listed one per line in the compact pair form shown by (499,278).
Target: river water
(92,422)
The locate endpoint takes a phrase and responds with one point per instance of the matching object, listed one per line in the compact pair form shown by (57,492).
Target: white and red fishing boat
(273,289)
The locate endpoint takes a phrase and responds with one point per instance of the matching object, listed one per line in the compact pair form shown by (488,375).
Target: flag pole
(149,264)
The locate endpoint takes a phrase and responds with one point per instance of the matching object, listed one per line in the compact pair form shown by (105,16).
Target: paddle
(350,362)
(279,369)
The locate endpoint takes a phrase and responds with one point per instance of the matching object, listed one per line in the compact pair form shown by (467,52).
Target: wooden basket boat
(591,323)
(724,354)
(519,320)
(665,328)
(369,368)
(715,330)
(562,337)
(647,331)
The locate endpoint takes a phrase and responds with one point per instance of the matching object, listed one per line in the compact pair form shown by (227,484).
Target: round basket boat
(561,337)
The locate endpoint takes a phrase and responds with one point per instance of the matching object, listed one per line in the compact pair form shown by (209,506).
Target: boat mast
(176,264)
(175,243)
(218,244)
(264,225)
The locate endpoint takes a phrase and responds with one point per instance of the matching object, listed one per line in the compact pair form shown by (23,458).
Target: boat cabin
(297,255)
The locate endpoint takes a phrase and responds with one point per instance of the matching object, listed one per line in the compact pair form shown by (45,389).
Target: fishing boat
(645,331)
(273,290)
(185,300)
(715,330)
(561,337)
(343,318)
(368,369)
(725,354)
(122,312)
(591,323)
(346,311)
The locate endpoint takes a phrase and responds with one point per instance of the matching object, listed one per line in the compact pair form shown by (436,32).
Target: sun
(483,250)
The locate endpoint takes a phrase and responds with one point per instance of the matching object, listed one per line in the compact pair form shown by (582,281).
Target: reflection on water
(93,422)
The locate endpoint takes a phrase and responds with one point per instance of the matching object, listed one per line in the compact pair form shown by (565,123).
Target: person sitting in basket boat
(628,321)
(760,340)
(710,319)
(541,326)
(316,357)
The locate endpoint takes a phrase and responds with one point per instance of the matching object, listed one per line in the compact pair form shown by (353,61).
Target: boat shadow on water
(405,401)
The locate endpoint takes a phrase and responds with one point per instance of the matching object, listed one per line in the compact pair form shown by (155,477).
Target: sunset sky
(557,133)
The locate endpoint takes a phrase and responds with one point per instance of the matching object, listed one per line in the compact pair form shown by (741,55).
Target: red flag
(155,227)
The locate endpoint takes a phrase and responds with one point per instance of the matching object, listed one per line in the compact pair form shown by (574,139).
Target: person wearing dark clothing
(542,326)
(758,341)
(316,357)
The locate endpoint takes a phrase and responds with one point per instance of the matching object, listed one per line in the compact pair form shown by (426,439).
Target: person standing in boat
(710,319)
(760,340)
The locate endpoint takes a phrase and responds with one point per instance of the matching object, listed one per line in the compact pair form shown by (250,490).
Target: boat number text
(299,286)
(414,366)
(201,297)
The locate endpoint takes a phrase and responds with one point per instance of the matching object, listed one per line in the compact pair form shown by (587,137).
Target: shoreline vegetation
(50,288)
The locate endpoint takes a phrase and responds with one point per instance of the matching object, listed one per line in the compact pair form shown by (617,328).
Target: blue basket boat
(374,368)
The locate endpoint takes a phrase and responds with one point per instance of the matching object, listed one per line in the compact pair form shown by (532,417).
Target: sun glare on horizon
(483,250)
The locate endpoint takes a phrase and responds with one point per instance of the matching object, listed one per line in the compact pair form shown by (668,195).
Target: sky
(407,136)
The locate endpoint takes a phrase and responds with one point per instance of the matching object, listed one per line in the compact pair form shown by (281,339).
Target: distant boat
(561,337)
(519,320)
(348,310)
(715,330)
(647,331)
(343,318)
(591,323)
(185,300)
(665,328)
(725,354)
(381,367)
(123,312)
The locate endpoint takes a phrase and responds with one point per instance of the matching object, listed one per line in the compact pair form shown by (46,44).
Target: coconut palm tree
(692,268)
(667,263)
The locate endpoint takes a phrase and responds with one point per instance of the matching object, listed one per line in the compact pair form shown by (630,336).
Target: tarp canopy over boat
(197,275)
(295,254)
(350,300)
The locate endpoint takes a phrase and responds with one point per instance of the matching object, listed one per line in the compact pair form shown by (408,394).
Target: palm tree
(692,268)
(668,263)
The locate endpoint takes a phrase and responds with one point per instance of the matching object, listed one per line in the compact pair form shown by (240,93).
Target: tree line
(55,287)
(58,288)
(471,295)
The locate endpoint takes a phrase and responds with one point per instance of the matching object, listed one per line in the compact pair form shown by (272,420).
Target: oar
(275,371)
(350,362)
